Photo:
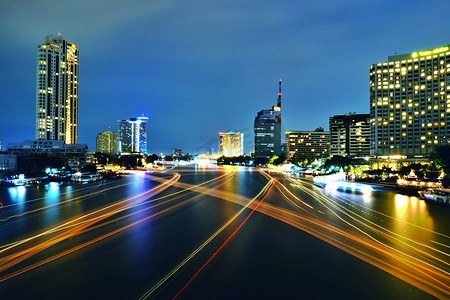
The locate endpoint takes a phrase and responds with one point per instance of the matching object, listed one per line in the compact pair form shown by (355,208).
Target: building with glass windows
(267,130)
(231,143)
(410,103)
(106,142)
(132,137)
(57,90)
(350,135)
(302,145)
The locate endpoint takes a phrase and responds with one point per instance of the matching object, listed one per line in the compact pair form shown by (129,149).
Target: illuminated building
(57,90)
(410,103)
(106,142)
(307,144)
(267,130)
(231,143)
(350,135)
(133,136)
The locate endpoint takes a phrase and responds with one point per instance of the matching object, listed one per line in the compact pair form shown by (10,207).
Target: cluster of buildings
(409,114)
(57,113)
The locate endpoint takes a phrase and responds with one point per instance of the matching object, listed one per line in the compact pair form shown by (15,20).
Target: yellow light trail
(206,242)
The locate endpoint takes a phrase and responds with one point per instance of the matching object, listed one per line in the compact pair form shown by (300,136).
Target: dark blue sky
(200,67)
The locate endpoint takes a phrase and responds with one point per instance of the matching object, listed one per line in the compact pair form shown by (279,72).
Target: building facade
(106,142)
(132,137)
(267,130)
(57,90)
(410,103)
(231,143)
(8,162)
(350,135)
(302,145)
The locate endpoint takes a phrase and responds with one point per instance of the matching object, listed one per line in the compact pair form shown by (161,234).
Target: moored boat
(436,195)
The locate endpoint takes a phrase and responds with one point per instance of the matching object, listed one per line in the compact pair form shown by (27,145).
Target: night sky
(199,67)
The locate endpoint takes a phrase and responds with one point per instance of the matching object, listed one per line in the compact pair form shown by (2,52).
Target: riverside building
(231,143)
(267,130)
(132,138)
(350,135)
(106,142)
(57,90)
(307,144)
(410,103)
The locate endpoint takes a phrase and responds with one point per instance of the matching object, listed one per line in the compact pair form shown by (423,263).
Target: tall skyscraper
(133,136)
(307,144)
(57,90)
(410,103)
(106,142)
(231,143)
(267,129)
(350,135)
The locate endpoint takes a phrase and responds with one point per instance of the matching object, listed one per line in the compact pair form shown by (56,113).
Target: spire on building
(279,94)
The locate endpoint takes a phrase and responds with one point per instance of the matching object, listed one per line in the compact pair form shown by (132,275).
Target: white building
(57,90)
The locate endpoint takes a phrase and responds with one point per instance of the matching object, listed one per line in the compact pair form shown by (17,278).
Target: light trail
(82,226)
(438,279)
(180,265)
(226,241)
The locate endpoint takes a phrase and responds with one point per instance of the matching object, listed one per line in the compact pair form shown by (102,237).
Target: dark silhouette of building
(267,129)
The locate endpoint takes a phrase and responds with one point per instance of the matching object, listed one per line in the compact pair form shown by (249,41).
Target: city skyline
(176,63)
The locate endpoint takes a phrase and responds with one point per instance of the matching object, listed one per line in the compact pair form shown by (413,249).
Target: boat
(86,177)
(436,195)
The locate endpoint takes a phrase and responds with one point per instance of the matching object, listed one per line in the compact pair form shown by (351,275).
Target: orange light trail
(226,241)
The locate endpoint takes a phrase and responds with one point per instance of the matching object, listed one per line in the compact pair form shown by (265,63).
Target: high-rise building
(57,90)
(410,103)
(231,143)
(307,144)
(106,142)
(133,136)
(350,135)
(267,129)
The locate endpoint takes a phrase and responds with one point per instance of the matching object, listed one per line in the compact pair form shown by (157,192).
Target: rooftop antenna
(279,94)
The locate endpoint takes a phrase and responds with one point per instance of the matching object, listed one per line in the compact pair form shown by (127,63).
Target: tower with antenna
(267,129)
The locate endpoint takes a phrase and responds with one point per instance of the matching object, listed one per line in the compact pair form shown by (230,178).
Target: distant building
(307,144)
(267,130)
(409,103)
(231,143)
(8,162)
(132,138)
(57,90)
(350,135)
(177,152)
(106,142)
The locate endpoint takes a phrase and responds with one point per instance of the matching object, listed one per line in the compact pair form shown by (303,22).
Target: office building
(132,137)
(106,142)
(410,103)
(302,145)
(350,135)
(57,90)
(231,143)
(267,130)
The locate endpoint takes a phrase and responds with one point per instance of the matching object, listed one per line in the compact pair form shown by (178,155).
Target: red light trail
(226,241)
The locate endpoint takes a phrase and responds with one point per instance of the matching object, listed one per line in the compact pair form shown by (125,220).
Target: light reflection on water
(18,196)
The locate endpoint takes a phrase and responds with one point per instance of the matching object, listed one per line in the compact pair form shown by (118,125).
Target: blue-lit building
(132,137)
(267,129)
